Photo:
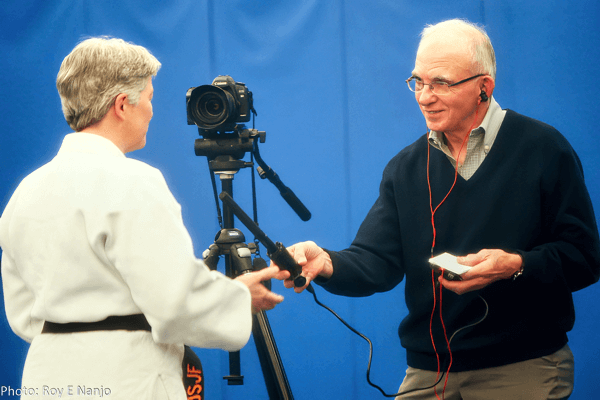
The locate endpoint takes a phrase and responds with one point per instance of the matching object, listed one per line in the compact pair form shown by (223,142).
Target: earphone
(483,96)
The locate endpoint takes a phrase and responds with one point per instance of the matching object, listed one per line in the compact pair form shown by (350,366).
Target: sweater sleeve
(372,263)
(570,250)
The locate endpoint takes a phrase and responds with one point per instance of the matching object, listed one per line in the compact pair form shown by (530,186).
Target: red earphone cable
(433,211)
(447,345)
(431,333)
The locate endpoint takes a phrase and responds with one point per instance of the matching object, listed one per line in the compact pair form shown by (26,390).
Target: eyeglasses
(436,87)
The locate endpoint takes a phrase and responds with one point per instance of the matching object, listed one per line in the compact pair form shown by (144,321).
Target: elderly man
(98,269)
(505,193)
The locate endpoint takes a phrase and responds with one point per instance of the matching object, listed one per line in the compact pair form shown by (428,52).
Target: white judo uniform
(94,234)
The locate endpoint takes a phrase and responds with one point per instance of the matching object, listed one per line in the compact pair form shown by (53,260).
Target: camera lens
(210,106)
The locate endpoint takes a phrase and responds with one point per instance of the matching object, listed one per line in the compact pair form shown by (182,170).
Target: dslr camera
(218,107)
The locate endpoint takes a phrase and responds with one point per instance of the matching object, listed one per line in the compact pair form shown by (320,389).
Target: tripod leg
(276,380)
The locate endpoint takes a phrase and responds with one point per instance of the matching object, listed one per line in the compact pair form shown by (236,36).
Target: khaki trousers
(543,378)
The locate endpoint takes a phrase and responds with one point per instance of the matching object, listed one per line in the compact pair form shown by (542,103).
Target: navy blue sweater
(528,196)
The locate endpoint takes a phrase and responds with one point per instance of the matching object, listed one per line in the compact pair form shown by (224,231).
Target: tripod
(224,158)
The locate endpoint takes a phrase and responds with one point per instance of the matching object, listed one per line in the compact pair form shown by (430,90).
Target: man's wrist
(521,268)
(327,271)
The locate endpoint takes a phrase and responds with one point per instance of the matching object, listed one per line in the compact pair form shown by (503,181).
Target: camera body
(218,107)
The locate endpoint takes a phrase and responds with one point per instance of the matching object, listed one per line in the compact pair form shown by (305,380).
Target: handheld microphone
(276,251)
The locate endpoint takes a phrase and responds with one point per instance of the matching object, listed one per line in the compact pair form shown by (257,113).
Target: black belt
(136,322)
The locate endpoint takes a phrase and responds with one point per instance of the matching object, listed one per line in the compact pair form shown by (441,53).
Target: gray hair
(95,72)
(484,58)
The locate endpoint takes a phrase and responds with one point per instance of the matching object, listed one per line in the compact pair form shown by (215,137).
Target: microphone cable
(310,289)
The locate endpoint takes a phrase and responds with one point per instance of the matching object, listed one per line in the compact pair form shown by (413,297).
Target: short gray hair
(95,72)
(482,51)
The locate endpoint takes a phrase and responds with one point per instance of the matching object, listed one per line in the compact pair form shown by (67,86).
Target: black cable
(254,201)
(310,289)
(254,205)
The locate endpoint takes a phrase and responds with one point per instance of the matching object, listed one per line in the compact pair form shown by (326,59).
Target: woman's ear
(121,102)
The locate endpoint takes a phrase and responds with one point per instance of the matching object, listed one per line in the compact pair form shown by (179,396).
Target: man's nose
(426,96)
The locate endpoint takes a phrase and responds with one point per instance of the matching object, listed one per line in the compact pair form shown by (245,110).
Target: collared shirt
(93,234)
(480,141)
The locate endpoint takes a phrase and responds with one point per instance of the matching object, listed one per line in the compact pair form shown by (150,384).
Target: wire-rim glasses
(437,87)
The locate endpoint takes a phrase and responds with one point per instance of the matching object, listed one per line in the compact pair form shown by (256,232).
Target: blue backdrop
(328,83)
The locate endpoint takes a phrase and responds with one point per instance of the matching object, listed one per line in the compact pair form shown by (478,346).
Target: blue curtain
(328,83)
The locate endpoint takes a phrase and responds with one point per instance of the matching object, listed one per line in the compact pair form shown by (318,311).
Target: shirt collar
(490,126)
(80,142)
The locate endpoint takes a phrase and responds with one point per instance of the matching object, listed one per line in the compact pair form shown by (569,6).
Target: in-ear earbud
(483,96)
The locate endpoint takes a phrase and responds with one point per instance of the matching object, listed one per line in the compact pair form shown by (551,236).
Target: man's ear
(488,85)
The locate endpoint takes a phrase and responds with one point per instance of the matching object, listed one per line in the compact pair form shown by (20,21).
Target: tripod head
(226,150)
